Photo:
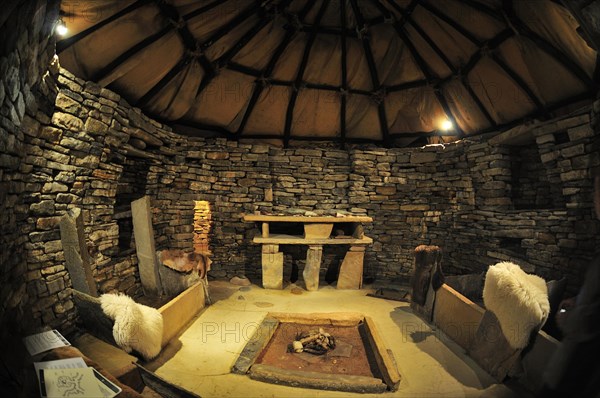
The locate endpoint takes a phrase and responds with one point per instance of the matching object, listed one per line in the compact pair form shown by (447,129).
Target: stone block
(351,270)
(272,269)
(312,267)
(580,132)
(67,121)
(317,230)
(423,157)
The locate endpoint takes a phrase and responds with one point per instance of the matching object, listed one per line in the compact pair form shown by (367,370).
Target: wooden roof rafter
(299,76)
(195,51)
(545,45)
(192,51)
(203,9)
(444,58)
(61,45)
(176,22)
(233,23)
(378,90)
(262,81)
(429,76)
(420,29)
(510,72)
(344,69)
(507,14)
(224,61)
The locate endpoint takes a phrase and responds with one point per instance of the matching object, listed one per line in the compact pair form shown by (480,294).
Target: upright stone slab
(491,350)
(312,267)
(351,270)
(77,259)
(144,246)
(272,267)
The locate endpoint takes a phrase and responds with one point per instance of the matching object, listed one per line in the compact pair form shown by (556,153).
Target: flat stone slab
(272,270)
(456,315)
(342,349)
(310,219)
(321,381)
(351,270)
(77,259)
(312,267)
(254,347)
(145,247)
(491,350)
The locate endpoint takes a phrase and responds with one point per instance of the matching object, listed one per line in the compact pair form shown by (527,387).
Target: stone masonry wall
(27,93)
(458,195)
(80,145)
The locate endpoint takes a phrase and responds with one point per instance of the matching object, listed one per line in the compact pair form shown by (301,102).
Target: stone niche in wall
(531,188)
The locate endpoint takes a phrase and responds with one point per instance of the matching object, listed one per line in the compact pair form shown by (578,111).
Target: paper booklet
(75,382)
(44,341)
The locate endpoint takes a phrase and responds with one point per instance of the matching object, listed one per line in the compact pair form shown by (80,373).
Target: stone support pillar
(351,270)
(312,267)
(272,267)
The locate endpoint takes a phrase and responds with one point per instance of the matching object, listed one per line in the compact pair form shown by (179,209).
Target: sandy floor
(200,359)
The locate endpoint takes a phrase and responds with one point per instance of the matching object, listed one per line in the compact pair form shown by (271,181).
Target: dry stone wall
(69,143)
(29,293)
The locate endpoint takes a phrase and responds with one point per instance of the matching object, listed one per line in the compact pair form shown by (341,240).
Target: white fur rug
(137,326)
(519,301)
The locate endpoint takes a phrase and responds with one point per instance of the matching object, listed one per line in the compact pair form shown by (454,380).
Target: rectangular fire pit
(359,363)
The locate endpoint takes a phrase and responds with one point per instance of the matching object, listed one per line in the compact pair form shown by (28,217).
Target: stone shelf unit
(317,231)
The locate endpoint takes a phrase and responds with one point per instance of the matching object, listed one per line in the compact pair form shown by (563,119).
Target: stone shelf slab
(306,219)
(282,239)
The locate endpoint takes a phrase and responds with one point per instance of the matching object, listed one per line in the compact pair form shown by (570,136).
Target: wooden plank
(321,381)
(386,364)
(308,219)
(281,239)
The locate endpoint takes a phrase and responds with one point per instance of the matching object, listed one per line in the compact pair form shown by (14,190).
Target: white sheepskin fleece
(137,326)
(519,301)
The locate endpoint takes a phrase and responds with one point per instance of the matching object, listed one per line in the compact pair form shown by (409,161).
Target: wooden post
(427,278)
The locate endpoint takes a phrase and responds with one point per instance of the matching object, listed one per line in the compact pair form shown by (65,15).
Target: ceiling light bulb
(61,28)
(447,125)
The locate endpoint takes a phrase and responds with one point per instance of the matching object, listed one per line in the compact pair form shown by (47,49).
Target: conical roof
(396,72)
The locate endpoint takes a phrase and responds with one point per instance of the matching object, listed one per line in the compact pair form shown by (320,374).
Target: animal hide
(180,261)
(136,327)
(519,301)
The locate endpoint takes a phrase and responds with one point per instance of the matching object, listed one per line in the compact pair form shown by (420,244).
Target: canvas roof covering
(386,71)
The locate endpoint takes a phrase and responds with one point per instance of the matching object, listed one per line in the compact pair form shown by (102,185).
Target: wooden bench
(315,233)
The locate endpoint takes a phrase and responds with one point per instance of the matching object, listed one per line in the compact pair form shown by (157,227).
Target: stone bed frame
(177,313)
(463,322)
